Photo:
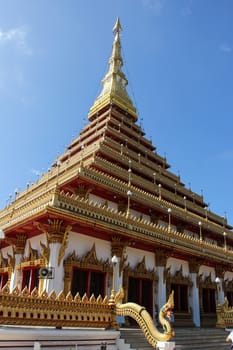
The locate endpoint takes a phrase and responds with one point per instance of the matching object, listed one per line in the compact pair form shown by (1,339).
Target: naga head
(167,309)
(119,295)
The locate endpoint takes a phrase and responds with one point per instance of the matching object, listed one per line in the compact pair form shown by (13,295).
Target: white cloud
(225,48)
(155,6)
(16,37)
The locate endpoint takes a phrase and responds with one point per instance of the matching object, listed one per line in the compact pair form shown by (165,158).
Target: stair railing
(224,315)
(144,320)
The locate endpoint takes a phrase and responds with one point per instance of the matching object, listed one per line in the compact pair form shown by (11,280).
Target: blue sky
(178,59)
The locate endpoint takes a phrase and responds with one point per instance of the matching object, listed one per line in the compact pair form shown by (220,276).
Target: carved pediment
(141,271)
(206,281)
(72,258)
(178,277)
(89,260)
(141,266)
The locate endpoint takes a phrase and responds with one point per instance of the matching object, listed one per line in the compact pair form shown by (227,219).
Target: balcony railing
(34,309)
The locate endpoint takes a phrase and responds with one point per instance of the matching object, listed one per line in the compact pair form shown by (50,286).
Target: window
(208,299)
(30,278)
(230,298)
(180,297)
(3,279)
(87,281)
(141,292)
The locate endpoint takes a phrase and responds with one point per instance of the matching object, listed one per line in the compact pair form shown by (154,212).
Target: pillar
(161,260)
(18,243)
(194,301)
(221,293)
(194,298)
(118,250)
(57,235)
(219,273)
(161,296)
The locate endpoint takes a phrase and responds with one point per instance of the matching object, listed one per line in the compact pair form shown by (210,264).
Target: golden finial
(114,82)
(117,27)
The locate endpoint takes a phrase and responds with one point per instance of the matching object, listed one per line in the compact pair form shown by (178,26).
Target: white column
(15,273)
(221,293)
(161,299)
(56,283)
(18,245)
(117,282)
(118,276)
(194,300)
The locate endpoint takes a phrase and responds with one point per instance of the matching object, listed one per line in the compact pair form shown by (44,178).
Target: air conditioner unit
(46,273)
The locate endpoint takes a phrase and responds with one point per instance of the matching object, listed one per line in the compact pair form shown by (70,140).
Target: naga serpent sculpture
(144,320)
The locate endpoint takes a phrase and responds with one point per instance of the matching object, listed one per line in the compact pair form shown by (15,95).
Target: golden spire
(115,82)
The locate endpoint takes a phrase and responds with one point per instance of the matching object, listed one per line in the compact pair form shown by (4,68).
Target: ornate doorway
(141,292)
(139,284)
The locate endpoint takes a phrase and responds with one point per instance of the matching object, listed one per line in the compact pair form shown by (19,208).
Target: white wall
(35,243)
(206,270)
(135,256)
(176,264)
(82,244)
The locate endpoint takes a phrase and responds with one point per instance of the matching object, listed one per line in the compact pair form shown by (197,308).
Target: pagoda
(111,200)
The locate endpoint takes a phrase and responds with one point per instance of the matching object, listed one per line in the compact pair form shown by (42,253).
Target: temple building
(110,194)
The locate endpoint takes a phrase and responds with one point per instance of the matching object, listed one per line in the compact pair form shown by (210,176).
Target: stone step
(221,346)
(185,339)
